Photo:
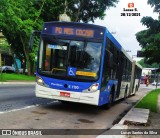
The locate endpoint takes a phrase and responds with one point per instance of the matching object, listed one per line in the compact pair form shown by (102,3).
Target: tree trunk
(28,62)
(29,67)
(14,60)
(79,9)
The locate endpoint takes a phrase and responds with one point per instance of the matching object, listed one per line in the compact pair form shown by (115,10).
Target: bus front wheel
(110,101)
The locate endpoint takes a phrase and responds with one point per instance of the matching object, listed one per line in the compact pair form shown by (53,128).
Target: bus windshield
(66,59)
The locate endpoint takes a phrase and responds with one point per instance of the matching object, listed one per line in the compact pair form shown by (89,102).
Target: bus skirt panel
(91,98)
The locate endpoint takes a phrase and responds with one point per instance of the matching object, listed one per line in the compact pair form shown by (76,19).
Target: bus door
(107,66)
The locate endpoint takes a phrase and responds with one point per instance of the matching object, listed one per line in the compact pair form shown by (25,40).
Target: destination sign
(74,31)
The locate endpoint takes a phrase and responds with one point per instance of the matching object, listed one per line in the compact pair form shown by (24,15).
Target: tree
(18,19)
(155,4)
(4,46)
(144,65)
(149,39)
(78,10)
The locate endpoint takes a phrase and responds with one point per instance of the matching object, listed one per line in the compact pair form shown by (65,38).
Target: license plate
(65,94)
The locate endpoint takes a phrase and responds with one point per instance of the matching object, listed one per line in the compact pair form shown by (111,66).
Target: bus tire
(109,104)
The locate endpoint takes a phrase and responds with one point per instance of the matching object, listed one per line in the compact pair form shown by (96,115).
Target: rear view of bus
(69,62)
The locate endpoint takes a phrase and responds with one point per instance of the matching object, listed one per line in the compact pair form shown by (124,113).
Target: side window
(124,70)
(127,69)
(105,71)
(115,59)
(107,68)
(111,63)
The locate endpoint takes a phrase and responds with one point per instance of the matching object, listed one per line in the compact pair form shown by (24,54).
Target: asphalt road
(19,96)
(19,108)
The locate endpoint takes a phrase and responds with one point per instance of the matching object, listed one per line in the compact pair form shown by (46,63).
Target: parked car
(7,69)
(21,70)
(154,83)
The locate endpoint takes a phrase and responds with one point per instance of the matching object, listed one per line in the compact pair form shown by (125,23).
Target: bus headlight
(41,82)
(92,88)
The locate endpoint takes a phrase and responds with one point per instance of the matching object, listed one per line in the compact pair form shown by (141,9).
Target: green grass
(150,101)
(15,77)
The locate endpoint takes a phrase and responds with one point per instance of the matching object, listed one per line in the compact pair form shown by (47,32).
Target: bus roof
(74,24)
(74,29)
(111,37)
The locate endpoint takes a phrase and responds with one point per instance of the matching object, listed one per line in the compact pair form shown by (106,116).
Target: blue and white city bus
(83,63)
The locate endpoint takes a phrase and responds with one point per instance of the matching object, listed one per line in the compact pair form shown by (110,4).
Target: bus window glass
(76,53)
(55,57)
(93,51)
(60,55)
(86,59)
(47,58)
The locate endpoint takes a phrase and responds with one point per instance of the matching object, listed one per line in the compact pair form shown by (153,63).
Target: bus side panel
(136,84)
(124,89)
(104,95)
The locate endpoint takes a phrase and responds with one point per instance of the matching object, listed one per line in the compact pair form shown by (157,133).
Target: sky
(125,27)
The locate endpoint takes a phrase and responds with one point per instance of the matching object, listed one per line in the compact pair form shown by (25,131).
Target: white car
(154,83)
(7,69)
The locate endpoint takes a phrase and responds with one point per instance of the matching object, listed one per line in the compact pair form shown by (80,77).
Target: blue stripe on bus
(66,85)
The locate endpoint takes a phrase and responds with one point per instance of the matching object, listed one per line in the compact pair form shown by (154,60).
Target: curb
(123,119)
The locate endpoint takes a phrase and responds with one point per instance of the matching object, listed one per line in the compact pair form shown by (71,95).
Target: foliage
(16,77)
(149,39)
(78,10)
(150,101)
(4,46)
(145,65)
(18,18)
(155,4)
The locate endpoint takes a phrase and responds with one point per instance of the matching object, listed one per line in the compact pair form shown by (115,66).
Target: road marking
(27,107)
